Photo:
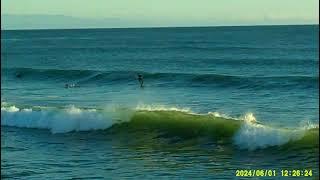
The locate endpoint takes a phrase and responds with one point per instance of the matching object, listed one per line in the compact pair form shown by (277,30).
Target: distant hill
(9,21)
(60,22)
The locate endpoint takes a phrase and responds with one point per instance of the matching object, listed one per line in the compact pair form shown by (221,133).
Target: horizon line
(157,27)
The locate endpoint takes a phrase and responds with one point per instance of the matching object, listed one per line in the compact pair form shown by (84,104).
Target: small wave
(208,47)
(84,77)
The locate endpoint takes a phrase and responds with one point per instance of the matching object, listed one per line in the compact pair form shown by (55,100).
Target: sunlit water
(214,100)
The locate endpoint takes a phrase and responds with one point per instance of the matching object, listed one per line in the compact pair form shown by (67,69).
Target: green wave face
(238,132)
(185,124)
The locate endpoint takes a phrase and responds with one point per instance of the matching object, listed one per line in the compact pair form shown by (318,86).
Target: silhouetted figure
(18,75)
(140,79)
(70,85)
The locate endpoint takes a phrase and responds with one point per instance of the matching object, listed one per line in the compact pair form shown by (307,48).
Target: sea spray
(254,136)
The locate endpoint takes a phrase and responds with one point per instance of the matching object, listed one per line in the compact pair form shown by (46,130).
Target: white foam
(74,110)
(10,109)
(57,121)
(218,114)
(161,108)
(27,110)
(254,136)
(306,124)
(249,117)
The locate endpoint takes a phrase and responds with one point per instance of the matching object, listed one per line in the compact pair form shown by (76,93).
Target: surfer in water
(140,79)
(70,85)
(18,75)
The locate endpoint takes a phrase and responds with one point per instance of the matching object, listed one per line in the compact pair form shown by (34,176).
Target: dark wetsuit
(18,75)
(140,78)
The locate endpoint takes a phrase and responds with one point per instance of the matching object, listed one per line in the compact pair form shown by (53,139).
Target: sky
(145,13)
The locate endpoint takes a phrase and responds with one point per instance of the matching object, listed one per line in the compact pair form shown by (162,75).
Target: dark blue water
(267,74)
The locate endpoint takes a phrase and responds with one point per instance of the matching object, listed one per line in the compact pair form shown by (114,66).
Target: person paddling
(70,85)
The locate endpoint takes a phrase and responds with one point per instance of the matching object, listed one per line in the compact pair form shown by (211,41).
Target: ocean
(214,101)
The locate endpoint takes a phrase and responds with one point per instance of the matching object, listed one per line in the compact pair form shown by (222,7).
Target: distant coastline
(43,21)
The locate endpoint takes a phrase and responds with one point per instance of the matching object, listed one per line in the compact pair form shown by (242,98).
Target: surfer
(18,75)
(70,85)
(140,79)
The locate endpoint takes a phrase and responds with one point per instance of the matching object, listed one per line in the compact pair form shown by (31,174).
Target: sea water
(215,100)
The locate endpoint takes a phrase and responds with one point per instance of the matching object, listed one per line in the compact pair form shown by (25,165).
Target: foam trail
(70,119)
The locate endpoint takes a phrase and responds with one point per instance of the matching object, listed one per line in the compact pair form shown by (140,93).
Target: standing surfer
(140,79)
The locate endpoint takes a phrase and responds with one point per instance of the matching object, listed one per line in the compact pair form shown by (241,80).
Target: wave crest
(245,132)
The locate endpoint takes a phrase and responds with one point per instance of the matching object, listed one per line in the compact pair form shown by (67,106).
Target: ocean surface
(215,100)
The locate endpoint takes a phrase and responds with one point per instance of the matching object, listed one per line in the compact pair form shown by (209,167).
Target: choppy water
(214,100)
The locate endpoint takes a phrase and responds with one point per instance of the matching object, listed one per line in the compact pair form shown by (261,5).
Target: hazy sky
(174,12)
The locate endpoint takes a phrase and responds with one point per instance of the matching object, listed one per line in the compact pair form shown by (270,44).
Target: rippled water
(215,100)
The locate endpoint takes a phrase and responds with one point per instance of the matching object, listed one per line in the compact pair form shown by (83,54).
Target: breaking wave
(244,132)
